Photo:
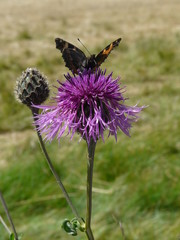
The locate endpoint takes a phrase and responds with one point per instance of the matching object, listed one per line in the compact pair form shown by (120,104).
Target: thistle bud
(31,87)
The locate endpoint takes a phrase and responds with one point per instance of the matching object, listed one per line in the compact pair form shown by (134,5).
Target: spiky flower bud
(31,87)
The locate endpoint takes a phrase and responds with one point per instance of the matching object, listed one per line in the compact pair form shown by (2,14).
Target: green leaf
(69,227)
(12,237)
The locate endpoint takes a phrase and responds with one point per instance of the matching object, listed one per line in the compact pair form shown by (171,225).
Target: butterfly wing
(101,57)
(73,56)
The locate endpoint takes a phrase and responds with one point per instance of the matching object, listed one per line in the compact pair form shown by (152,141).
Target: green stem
(8,215)
(90,161)
(34,112)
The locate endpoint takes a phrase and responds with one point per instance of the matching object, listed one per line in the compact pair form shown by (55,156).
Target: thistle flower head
(31,87)
(88,103)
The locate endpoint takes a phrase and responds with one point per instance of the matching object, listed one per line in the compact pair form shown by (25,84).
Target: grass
(136,180)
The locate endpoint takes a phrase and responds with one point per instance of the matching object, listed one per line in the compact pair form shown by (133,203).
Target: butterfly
(76,60)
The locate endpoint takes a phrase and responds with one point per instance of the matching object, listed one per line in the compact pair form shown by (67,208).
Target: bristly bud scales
(32,87)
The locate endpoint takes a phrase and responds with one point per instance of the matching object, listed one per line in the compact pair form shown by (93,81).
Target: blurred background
(137,179)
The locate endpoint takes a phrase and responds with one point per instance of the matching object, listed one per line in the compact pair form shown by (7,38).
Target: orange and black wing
(73,56)
(101,57)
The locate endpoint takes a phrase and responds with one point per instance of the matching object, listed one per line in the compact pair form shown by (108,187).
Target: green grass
(24,35)
(137,178)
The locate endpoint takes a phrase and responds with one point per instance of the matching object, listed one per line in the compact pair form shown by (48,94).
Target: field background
(137,179)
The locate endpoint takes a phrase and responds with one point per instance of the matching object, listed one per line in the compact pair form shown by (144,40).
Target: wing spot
(107,51)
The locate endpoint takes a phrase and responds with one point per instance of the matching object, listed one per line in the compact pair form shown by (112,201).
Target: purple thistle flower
(88,103)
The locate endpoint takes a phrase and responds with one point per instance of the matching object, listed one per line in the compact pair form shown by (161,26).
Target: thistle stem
(34,112)
(8,215)
(90,161)
(5,226)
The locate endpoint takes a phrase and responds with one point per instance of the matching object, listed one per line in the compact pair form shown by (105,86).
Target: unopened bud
(32,87)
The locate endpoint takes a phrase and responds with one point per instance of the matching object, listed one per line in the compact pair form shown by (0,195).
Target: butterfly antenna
(84,46)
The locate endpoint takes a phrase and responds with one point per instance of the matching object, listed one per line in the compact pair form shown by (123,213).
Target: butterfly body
(89,62)
(76,60)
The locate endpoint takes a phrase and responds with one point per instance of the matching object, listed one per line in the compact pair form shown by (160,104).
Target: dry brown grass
(94,21)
